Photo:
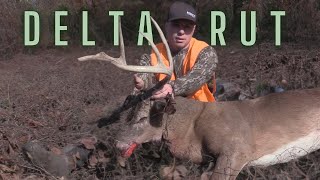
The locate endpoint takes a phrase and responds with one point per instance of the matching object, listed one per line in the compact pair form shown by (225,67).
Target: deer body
(259,132)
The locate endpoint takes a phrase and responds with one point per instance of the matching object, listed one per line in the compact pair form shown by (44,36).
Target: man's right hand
(138,82)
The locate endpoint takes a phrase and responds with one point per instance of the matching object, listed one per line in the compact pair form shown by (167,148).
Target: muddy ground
(47,95)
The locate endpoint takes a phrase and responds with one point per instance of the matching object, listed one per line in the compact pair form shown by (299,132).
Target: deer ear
(156,113)
(159,106)
(170,109)
(163,107)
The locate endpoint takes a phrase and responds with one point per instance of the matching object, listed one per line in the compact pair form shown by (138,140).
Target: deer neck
(179,131)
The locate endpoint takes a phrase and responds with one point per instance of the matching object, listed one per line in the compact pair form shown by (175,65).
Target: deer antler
(121,61)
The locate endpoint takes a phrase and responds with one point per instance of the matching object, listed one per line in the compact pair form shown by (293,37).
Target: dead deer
(259,132)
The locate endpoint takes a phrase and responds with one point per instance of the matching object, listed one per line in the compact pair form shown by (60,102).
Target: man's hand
(163,92)
(159,94)
(138,82)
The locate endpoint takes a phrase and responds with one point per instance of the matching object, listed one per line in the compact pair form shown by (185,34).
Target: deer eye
(142,119)
(141,123)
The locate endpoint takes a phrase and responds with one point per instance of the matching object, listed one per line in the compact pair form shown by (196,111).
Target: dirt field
(47,95)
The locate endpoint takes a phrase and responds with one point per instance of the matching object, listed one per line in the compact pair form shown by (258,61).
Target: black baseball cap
(182,10)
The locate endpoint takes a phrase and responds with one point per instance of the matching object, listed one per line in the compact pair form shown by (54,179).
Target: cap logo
(191,14)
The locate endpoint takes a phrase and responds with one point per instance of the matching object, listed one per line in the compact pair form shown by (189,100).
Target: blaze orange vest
(203,94)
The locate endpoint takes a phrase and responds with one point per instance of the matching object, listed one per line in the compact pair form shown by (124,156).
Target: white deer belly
(293,150)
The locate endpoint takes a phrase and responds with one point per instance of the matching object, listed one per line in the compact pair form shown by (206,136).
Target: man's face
(179,33)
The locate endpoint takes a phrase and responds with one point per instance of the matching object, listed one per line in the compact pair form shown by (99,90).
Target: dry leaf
(73,162)
(11,152)
(182,170)
(166,172)
(89,142)
(24,139)
(13,142)
(101,153)
(6,169)
(34,124)
(75,158)
(121,161)
(93,161)
(176,173)
(77,155)
(104,160)
(56,151)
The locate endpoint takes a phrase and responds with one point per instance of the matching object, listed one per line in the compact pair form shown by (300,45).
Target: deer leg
(228,167)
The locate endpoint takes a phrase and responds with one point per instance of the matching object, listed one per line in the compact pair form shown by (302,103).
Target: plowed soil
(47,95)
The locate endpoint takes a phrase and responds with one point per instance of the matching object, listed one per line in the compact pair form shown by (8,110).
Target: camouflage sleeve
(201,73)
(145,60)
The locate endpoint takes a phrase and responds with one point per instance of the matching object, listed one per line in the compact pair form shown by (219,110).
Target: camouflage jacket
(202,72)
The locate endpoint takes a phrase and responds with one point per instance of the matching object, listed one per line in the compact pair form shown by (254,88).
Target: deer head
(143,108)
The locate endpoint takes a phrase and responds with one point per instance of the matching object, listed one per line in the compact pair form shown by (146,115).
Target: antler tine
(122,52)
(160,64)
(164,40)
(121,61)
(154,47)
(104,57)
